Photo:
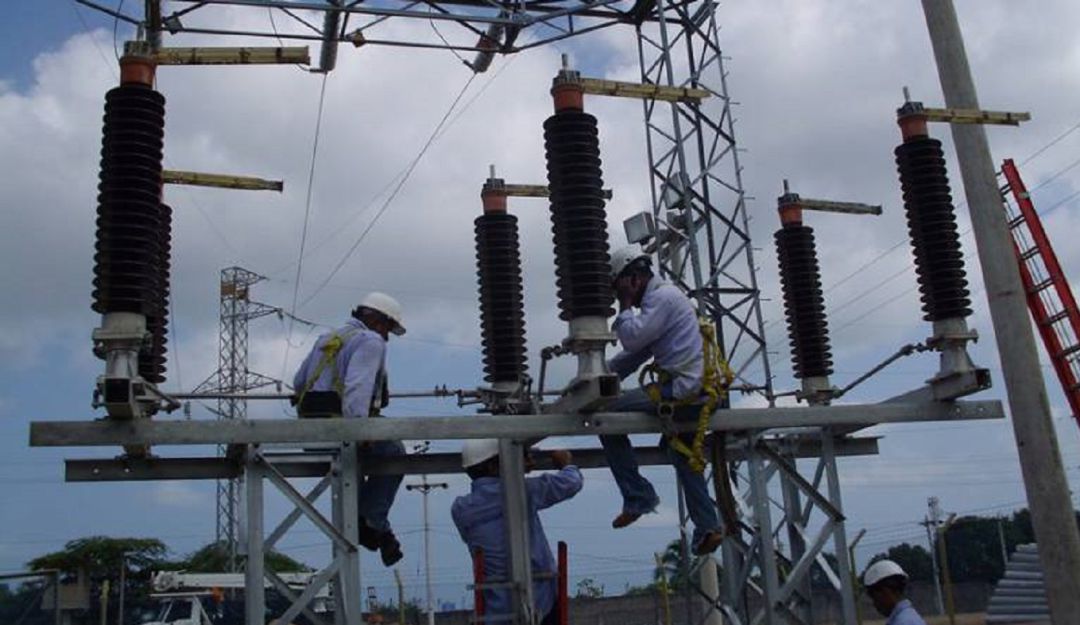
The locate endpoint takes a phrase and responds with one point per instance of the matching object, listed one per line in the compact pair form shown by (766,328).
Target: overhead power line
(389,200)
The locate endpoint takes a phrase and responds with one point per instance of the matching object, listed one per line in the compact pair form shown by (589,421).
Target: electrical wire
(307,220)
(386,204)
(322,245)
(115,27)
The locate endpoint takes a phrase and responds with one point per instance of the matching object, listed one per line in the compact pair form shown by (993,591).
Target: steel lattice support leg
(764,543)
(349,574)
(254,567)
(515,514)
(840,543)
(796,526)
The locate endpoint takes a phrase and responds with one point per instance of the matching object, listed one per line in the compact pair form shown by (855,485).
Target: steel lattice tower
(233,376)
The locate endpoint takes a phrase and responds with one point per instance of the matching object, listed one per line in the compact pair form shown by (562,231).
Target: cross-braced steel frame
(699,206)
(233,376)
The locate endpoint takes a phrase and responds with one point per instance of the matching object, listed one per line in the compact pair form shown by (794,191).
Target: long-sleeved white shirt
(359,364)
(666,330)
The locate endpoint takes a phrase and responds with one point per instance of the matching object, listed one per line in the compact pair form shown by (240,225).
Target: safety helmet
(882,569)
(478,450)
(386,305)
(624,257)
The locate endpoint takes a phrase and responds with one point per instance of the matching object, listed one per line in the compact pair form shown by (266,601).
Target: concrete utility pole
(1040,458)
(425,488)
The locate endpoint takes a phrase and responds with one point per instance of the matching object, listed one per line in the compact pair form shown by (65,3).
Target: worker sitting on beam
(666,331)
(480,521)
(345,376)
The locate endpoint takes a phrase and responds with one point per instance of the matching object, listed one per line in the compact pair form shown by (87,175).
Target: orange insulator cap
(137,69)
(791,214)
(567,92)
(493,197)
(912,126)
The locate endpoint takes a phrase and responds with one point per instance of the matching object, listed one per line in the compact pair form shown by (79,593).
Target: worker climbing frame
(698,228)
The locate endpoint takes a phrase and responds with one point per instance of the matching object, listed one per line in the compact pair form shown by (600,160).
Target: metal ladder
(1049,296)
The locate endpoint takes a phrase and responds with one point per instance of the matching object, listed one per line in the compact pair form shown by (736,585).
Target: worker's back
(480,521)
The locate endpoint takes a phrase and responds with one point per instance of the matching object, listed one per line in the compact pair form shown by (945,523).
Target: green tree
(588,587)
(673,566)
(101,559)
(214,558)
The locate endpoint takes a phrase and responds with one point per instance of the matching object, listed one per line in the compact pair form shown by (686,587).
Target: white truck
(181,608)
(184,595)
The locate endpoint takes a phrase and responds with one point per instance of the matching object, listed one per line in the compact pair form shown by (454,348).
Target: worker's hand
(561,458)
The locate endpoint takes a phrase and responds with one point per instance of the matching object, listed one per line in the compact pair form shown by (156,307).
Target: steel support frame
(342,573)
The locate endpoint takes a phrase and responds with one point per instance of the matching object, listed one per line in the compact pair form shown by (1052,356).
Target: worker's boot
(709,543)
(624,519)
(369,537)
(390,549)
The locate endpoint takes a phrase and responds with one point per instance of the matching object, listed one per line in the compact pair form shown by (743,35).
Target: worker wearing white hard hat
(656,322)
(886,582)
(480,521)
(344,375)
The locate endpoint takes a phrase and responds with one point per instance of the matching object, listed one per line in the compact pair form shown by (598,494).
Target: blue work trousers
(639,496)
(376,492)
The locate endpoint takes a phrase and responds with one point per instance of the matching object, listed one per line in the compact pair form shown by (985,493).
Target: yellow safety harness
(330,350)
(716,380)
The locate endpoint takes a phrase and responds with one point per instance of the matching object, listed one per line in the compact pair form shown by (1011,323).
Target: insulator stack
(152,363)
(939,262)
(804,303)
(131,263)
(583,268)
(502,312)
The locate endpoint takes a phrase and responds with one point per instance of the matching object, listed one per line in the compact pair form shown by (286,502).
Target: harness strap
(330,350)
(716,379)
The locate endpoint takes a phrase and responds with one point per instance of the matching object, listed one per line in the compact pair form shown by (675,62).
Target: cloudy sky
(817,83)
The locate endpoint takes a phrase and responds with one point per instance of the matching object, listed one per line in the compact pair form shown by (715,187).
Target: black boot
(390,549)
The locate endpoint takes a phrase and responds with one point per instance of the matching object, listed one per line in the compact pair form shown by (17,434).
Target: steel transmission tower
(697,192)
(232,376)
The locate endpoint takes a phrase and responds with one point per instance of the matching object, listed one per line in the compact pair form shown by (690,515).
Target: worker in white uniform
(344,375)
(885,583)
(664,329)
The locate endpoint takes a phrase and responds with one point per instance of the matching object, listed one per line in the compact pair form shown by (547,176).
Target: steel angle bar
(819,473)
(802,567)
(304,506)
(287,592)
(293,516)
(318,465)
(806,487)
(236,431)
(317,582)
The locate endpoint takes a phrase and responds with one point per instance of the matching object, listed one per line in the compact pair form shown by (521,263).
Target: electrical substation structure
(698,230)
(233,377)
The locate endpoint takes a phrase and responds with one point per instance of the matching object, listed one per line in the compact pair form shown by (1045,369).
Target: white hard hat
(388,306)
(882,569)
(478,450)
(622,258)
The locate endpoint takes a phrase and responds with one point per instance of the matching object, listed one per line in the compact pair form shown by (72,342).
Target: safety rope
(716,379)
